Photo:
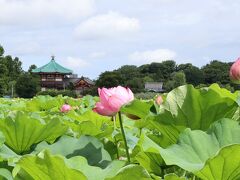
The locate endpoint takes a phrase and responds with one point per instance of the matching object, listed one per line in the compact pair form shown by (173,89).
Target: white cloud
(109,25)
(74,63)
(96,55)
(27,48)
(42,11)
(157,55)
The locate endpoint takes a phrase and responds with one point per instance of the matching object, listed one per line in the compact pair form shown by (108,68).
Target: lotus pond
(193,134)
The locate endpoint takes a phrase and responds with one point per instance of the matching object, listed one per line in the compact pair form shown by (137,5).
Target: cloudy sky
(91,36)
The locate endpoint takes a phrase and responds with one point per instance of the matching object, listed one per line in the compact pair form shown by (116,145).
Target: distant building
(154,86)
(55,76)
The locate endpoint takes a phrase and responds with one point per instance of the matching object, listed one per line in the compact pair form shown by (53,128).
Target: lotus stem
(116,143)
(124,137)
(115,140)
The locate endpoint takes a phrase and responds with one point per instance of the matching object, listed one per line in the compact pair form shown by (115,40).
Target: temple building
(55,76)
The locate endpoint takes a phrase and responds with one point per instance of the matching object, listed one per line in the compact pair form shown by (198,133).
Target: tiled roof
(52,67)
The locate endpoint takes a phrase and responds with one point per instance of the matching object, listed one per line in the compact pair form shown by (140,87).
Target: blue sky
(91,36)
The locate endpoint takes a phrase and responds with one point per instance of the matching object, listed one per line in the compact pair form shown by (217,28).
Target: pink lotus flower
(112,99)
(235,72)
(159,100)
(65,108)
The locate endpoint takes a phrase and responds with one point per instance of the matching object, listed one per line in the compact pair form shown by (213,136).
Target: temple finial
(53,57)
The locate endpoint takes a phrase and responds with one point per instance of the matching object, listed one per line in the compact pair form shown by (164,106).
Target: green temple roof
(52,67)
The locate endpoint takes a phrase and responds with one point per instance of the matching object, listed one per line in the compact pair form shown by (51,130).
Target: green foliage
(169,73)
(14,66)
(91,172)
(47,167)
(3,87)
(22,130)
(33,66)
(216,71)
(1,51)
(186,106)
(177,79)
(55,93)
(91,91)
(193,134)
(26,86)
(146,95)
(193,74)
(109,79)
(89,147)
(188,152)
(225,165)
(132,172)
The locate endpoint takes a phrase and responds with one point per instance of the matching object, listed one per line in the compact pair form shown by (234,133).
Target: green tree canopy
(26,86)
(177,79)
(109,79)
(1,51)
(193,74)
(216,71)
(33,66)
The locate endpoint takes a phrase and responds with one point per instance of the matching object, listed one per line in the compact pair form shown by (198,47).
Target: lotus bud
(235,72)
(65,108)
(159,100)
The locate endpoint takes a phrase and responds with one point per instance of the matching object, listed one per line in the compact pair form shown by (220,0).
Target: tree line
(14,81)
(171,74)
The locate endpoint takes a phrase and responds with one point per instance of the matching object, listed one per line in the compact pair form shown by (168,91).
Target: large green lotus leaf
(148,155)
(225,165)
(48,167)
(45,103)
(138,108)
(173,177)
(21,130)
(5,174)
(89,123)
(187,107)
(89,147)
(89,101)
(91,116)
(92,172)
(2,139)
(6,154)
(224,92)
(195,147)
(133,172)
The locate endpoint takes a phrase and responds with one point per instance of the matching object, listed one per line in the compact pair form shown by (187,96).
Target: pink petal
(103,110)
(130,95)
(115,103)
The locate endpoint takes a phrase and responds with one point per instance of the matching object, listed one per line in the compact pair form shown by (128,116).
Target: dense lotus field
(192,134)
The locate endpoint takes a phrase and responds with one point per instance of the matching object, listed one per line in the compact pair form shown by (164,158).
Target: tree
(70,86)
(3,70)
(26,86)
(177,79)
(193,74)
(216,71)
(1,51)
(136,84)
(3,87)
(162,71)
(109,79)
(33,66)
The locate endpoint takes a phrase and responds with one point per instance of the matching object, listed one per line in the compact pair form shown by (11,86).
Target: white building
(154,86)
